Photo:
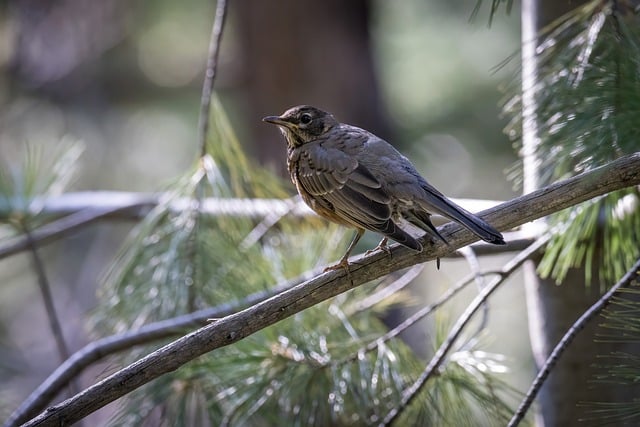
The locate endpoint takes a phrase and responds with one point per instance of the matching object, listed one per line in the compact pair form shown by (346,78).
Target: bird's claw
(343,264)
(381,246)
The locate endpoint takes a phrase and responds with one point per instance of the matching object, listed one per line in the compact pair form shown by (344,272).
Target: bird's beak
(276,120)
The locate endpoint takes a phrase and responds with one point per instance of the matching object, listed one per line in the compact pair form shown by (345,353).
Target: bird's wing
(342,185)
(351,190)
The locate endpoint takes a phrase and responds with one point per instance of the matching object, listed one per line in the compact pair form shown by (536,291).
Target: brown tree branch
(619,174)
(172,327)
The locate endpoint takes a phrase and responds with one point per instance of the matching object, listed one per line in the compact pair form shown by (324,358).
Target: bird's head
(302,124)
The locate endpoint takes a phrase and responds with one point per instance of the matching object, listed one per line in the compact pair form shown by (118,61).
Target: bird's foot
(381,246)
(343,264)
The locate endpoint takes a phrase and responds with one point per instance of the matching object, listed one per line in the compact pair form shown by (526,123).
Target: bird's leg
(344,262)
(382,246)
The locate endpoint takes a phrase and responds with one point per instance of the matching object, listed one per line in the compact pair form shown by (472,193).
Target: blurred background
(124,78)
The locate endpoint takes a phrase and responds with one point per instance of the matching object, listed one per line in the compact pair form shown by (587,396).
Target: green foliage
(311,369)
(622,324)
(603,236)
(588,91)
(32,173)
(587,98)
(465,393)
(295,372)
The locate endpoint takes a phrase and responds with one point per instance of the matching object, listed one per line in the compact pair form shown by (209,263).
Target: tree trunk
(552,309)
(307,52)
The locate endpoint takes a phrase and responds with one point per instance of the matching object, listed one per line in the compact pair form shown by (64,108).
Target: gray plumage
(355,178)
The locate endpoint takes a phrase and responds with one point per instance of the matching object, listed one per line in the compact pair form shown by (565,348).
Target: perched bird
(352,177)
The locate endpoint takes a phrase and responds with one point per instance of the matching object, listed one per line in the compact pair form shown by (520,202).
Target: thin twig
(50,308)
(410,393)
(631,276)
(384,291)
(47,297)
(267,223)
(474,266)
(210,75)
(412,320)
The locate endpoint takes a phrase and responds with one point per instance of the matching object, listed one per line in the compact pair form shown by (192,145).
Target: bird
(354,178)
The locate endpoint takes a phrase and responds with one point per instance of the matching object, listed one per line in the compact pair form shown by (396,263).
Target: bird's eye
(305,119)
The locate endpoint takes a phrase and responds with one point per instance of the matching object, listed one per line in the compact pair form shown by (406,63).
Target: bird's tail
(437,202)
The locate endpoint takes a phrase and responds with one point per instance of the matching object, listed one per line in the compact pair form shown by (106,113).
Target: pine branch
(631,276)
(495,5)
(104,347)
(412,392)
(621,173)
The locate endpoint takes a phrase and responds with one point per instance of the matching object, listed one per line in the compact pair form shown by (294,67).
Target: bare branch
(134,206)
(619,174)
(47,297)
(397,282)
(631,276)
(62,227)
(210,74)
(49,305)
(474,266)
